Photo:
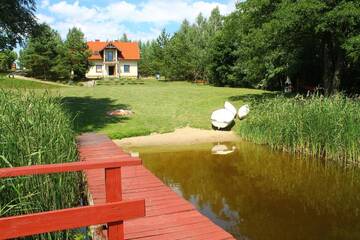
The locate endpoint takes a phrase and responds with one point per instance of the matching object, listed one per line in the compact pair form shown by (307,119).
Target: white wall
(104,72)
(133,68)
(92,70)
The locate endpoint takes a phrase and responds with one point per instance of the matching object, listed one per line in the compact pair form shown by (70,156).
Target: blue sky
(139,19)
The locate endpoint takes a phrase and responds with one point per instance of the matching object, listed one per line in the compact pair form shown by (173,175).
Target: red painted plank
(66,167)
(30,224)
(113,194)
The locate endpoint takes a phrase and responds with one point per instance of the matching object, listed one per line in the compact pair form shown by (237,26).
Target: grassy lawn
(6,82)
(158,106)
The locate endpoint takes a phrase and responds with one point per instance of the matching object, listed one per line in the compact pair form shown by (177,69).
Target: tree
(352,48)
(263,43)
(179,54)
(41,55)
(124,38)
(159,48)
(148,62)
(76,54)
(312,42)
(221,53)
(185,55)
(7,58)
(17,21)
(338,26)
(153,55)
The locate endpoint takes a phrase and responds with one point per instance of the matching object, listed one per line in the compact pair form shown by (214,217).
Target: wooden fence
(113,212)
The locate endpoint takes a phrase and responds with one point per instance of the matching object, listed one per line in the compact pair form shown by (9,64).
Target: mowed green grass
(14,83)
(158,106)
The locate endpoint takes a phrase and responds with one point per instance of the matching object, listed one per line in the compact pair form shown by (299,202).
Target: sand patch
(181,136)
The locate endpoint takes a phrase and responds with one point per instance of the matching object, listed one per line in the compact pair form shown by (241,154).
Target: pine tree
(41,52)
(76,54)
(124,38)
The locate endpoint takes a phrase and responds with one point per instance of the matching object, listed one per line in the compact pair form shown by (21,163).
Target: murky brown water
(255,193)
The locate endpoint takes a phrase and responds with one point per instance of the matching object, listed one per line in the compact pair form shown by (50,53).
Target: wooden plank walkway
(168,216)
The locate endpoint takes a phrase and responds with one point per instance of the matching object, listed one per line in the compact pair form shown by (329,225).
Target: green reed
(34,129)
(323,127)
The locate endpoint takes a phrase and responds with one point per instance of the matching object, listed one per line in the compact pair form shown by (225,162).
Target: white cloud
(145,36)
(73,11)
(161,11)
(109,22)
(44,3)
(42,18)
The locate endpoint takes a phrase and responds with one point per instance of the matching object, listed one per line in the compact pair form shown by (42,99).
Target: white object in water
(134,154)
(243,111)
(222,118)
(220,149)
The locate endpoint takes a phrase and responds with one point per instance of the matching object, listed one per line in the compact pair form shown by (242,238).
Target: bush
(34,129)
(319,126)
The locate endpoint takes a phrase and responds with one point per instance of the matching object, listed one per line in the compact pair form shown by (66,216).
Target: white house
(113,59)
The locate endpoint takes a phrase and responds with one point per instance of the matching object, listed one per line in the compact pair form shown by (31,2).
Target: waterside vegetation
(323,127)
(35,129)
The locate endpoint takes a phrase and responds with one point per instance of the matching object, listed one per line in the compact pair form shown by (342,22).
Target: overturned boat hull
(222,118)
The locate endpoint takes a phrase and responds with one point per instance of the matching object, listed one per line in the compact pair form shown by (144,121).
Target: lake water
(258,194)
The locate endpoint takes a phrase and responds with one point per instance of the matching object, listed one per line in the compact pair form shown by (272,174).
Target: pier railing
(113,212)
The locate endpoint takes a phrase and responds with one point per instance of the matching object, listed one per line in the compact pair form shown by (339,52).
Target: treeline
(185,55)
(264,43)
(47,56)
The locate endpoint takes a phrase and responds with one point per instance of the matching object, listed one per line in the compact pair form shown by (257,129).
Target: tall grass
(326,127)
(34,129)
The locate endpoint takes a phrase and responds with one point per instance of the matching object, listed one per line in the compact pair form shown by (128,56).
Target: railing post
(114,194)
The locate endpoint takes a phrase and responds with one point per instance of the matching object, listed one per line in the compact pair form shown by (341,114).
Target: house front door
(111,70)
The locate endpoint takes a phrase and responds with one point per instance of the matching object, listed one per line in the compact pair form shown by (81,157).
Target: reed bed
(323,127)
(34,129)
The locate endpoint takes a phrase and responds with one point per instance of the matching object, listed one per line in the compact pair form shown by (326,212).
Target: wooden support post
(114,194)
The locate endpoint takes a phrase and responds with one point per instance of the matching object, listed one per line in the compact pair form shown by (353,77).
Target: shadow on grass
(90,114)
(253,97)
(260,97)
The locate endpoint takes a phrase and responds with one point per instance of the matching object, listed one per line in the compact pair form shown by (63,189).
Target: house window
(98,68)
(126,68)
(109,56)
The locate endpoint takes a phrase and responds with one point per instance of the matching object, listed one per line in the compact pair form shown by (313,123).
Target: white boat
(228,106)
(222,118)
(243,111)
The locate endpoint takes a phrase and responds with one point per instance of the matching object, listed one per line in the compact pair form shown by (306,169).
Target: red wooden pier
(168,216)
(124,196)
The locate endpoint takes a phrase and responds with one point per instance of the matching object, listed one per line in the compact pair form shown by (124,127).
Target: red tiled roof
(129,50)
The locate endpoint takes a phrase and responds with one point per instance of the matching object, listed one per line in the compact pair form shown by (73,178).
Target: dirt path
(40,81)
(183,136)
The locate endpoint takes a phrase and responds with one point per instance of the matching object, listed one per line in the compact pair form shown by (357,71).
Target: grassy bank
(35,130)
(318,126)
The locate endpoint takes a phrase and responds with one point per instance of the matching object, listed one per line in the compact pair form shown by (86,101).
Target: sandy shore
(183,136)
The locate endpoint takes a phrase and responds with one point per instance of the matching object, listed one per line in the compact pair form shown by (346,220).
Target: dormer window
(109,56)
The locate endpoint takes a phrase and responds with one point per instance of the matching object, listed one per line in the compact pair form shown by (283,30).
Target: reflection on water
(255,193)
